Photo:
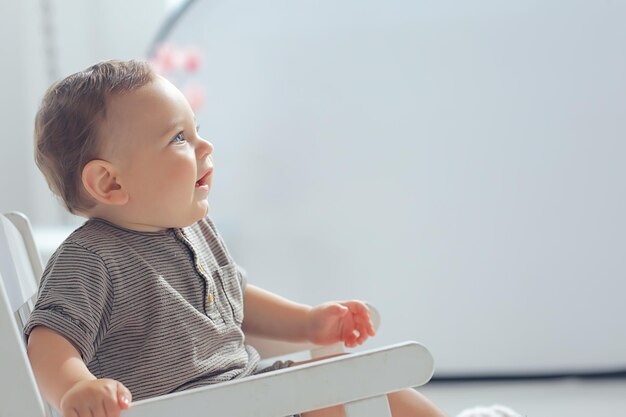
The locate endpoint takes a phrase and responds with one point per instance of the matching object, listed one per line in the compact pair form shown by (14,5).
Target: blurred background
(458,164)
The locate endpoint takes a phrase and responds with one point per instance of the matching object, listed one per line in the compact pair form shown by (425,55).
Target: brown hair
(67,123)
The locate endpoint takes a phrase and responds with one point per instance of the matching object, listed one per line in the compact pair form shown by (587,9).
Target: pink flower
(166,58)
(195,96)
(192,59)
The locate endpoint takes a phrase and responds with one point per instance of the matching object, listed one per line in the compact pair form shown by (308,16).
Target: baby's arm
(269,315)
(65,381)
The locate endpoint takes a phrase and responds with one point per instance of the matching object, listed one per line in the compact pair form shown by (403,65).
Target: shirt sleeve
(75,298)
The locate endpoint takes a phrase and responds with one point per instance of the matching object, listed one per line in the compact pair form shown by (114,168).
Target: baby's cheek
(180,174)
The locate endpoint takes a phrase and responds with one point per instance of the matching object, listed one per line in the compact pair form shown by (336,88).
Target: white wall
(22,71)
(82,33)
(459,164)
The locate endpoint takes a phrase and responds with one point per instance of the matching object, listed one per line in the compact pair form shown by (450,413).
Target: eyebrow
(175,124)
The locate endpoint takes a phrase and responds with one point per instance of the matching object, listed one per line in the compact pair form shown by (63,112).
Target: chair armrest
(307,387)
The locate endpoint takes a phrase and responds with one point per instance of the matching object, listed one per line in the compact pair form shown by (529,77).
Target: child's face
(162,163)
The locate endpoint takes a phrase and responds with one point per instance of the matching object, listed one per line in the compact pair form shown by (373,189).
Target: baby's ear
(100,181)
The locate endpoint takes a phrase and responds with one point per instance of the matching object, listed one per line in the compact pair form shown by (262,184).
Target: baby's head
(119,142)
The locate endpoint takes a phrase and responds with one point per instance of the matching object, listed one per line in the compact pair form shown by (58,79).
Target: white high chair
(360,380)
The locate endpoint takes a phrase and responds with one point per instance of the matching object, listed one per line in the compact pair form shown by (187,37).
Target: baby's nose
(204,148)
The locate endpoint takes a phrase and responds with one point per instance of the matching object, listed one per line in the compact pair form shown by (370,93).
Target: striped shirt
(158,311)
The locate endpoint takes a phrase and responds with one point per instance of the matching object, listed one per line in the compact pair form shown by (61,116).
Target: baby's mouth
(204,180)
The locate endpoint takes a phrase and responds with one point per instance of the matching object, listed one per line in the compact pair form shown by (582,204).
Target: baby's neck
(122,222)
(137,227)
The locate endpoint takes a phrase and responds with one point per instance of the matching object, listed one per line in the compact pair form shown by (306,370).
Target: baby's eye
(179,138)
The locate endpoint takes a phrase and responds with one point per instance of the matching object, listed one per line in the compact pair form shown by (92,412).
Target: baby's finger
(71,413)
(82,411)
(350,342)
(371,331)
(358,334)
(98,410)
(358,307)
(111,407)
(368,326)
(338,310)
(347,332)
(356,337)
(362,338)
(365,328)
(124,397)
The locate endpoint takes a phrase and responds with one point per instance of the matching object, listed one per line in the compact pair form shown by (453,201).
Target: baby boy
(144,298)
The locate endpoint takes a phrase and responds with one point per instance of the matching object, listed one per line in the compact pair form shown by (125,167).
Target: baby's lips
(205,176)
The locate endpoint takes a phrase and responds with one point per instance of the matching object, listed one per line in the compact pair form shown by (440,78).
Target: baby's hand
(346,321)
(95,398)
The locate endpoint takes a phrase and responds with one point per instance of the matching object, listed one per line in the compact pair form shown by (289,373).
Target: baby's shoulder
(94,241)
(93,236)
(80,257)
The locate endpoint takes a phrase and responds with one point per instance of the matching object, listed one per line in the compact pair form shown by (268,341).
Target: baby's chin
(198,213)
(202,212)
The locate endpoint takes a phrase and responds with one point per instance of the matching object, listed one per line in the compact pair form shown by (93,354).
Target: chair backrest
(20,270)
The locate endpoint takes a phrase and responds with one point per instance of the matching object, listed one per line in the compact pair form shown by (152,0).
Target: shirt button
(201,269)
(209,298)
